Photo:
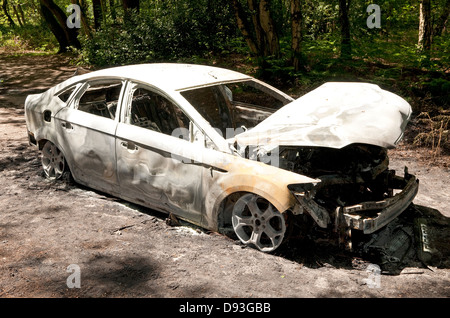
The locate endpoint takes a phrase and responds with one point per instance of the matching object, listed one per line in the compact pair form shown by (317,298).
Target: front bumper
(367,216)
(389,208)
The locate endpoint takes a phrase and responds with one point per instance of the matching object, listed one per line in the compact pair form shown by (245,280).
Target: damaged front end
(339,135)
(357,190)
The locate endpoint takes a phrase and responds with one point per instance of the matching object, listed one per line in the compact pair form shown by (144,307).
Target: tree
(244,27)
(8,16)
(297,37)
(270,38)
(112,8)
(98,13)
(442,20)
(84,21)
(346,48)
(425,26)
(258,30)
(56,20)
(20,18)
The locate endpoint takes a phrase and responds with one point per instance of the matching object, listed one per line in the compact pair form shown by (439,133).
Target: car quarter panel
(35,107)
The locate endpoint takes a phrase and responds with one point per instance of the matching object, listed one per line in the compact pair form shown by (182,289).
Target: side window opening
(155,112)
(101,99)
(64,96)
(251,103)
(247,93)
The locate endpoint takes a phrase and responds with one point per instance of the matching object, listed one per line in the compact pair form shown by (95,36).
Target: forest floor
(123,250)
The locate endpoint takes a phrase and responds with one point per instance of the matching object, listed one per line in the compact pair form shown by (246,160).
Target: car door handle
(129,145)
(66,125)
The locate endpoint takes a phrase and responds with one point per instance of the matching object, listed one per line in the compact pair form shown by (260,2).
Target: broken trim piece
(352,216)
(318,213)
(391,208)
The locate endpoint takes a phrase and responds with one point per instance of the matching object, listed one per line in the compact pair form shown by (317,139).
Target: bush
(168,31)
(439,90)
(28,37)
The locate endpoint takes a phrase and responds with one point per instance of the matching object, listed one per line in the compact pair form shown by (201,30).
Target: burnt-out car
(226,151)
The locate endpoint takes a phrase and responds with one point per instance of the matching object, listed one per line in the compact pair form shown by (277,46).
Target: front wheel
(258,223)
(53,161)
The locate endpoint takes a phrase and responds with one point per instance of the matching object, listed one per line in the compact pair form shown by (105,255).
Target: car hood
(334,115)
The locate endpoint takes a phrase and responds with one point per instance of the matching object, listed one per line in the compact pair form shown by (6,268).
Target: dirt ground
(123,250)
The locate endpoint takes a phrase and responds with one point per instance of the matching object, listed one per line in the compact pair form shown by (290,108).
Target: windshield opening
(234,107)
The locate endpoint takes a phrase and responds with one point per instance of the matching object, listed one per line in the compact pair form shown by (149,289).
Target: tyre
(258,223)
(53,161)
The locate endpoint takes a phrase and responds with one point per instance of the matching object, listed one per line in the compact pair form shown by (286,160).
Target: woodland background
(295,45)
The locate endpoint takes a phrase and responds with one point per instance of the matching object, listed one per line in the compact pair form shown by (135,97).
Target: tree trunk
(84,21)
(346,48)
(19,8)
(260,35)
(112,8)
(98,14)
(425,26)
(17,15)
(267,24)
(442,20)
(129,5)
(59,16)
(243,26)
(56,29)
(259,32)
(297,37)
(5,10)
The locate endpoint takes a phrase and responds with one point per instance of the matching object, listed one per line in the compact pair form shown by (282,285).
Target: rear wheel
(258,223)
(53,161)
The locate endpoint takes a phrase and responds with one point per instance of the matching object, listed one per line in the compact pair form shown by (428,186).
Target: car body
(226,151)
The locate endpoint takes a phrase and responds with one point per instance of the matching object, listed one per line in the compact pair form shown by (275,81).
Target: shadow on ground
(417,238)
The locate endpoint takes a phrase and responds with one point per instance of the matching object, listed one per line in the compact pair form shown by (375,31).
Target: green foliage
(30,34)
(28,37)
(206,32)
(202,30)
(166,31)
(439,91)
(320,19)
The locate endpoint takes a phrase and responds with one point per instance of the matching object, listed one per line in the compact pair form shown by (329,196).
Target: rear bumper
(31,139)
(389,208)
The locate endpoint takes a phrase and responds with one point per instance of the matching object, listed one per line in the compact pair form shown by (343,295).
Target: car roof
(168,76)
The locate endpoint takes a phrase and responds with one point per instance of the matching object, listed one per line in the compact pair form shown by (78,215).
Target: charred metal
(226,151)
(356,189)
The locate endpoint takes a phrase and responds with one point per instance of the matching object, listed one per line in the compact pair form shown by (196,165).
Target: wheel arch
(221,214)
(41,142)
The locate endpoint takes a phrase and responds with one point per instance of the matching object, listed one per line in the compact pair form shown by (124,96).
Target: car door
(87,133)
(155,166)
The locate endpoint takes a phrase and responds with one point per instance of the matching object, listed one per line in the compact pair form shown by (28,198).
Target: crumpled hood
(334,115)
